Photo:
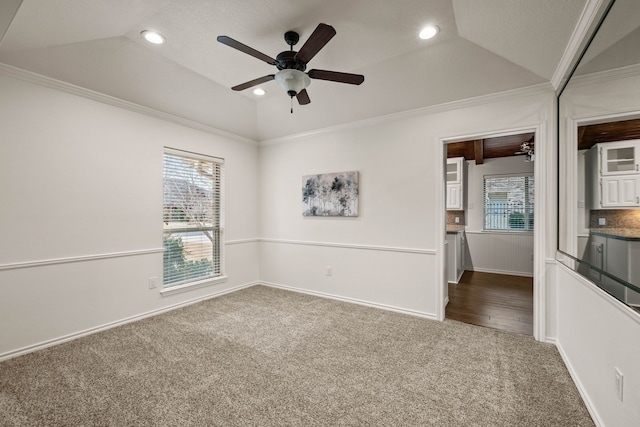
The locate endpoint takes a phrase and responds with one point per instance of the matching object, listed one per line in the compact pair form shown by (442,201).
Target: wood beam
(478,149)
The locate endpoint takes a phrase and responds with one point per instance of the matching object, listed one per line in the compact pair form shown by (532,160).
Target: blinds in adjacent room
(192,217)
(508,202)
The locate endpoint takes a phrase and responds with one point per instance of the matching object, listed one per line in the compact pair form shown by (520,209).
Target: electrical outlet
(329,271)
(619,383)
(602,221)
(457,220)
(152,282)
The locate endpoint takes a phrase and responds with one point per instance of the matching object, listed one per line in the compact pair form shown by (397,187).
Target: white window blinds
(508,203)
(192,218)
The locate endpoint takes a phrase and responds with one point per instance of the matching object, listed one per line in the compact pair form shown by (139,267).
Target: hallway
(496,301)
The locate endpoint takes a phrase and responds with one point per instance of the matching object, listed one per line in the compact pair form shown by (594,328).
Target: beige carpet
(267,357)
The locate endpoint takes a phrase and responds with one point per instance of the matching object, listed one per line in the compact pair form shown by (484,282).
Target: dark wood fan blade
(255,82)
(303,97)
(320,36)
(335,76)
(246,49)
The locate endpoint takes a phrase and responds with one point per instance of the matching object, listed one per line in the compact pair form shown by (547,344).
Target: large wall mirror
(599,157)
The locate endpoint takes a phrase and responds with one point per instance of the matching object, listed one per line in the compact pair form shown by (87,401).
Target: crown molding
(589,17)
(605,76)
(51,83)
(539,89)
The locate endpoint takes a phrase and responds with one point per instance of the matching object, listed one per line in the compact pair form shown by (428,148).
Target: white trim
(545,135)
(241,241)
(352,246)
(506,233)
(104,327)
(577,41)
(52,83)
(509,272)
(192,155)
(351,300)
(171,290)
(418,112)
(583,393)
(605,76)
(442,278)
(56,261)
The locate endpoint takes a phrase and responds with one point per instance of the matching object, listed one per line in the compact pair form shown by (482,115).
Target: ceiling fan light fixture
(429,32)
(259,92)
(292,81)
(153,37)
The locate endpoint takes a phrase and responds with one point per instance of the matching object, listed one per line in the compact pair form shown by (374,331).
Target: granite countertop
(618,233)
(454,228)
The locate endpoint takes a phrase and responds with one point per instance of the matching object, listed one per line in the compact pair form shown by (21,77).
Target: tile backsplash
(614,218)
(451,217)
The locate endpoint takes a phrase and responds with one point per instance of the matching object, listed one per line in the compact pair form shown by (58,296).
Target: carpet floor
(268,357)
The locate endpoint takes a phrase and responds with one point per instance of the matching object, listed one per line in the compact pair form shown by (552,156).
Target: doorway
(494,230)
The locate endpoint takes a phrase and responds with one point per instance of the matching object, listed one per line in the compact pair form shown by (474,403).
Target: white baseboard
(446,300)
(511,273)
(352,300)
(80,334)
(576,380)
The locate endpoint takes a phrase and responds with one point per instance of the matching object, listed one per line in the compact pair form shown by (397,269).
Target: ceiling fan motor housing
(287,61)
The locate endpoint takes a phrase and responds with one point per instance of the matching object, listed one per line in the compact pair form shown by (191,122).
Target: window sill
(522,232)
(192,285)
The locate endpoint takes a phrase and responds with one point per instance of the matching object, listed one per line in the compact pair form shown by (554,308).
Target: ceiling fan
(291,64)
(527,148)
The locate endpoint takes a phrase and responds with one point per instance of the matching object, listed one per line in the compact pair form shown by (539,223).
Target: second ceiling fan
(292,65)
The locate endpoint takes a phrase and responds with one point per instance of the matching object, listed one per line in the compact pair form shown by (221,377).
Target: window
(508,203)
(192,218)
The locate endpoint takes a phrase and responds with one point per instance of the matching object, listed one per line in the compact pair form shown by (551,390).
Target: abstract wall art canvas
(330,194)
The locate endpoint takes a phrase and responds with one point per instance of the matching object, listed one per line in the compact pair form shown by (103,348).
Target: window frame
(218,246)
(528,208)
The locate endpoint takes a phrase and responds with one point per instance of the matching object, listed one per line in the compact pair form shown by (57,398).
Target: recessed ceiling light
(259,91)
(153,37)
(429,32)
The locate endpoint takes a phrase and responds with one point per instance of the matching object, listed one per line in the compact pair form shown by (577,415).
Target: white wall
(393,253)
(495,252)
(597,334)
(80,220)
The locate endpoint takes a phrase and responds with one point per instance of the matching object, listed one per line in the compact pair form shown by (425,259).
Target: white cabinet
(619,158)
(455,184)
(455,256)
(454,197)
(613,179)
(620,191)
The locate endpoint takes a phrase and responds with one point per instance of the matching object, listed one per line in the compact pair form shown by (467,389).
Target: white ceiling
(483,47)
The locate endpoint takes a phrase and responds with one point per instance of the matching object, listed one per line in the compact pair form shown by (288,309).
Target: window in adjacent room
(508,202)
(192,214)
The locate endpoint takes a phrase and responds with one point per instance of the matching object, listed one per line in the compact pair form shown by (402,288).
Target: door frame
(540,222)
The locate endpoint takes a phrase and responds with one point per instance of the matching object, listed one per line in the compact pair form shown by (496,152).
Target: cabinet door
(597,245)
(620,191)
(619,158)
(460,255)
(454,197)
(454,170)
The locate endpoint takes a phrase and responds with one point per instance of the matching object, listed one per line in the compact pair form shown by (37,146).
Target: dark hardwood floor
(496,301)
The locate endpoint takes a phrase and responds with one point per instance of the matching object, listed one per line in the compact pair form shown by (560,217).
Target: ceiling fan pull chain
(291,105)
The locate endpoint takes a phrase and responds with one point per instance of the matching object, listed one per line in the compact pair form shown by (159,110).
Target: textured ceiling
(483,47)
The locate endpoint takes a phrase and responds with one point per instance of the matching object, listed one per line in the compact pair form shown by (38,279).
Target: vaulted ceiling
(483,47)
